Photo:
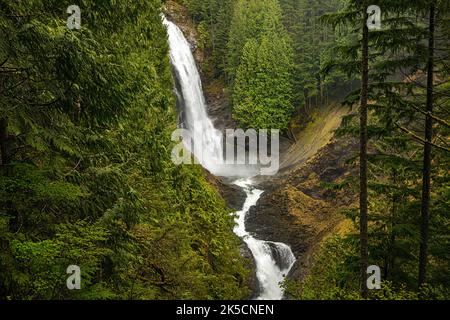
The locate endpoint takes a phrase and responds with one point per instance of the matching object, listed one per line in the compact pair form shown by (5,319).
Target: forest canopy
(86,176)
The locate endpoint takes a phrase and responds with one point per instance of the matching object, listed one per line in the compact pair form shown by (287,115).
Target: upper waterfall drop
(209,153)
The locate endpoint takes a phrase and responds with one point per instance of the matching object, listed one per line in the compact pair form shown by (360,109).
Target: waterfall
(273,260)
(209,152)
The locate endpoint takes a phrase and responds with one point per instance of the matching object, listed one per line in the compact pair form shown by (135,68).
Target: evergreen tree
(426,180)
(312,43)
(398,94)
(216,16)
(263,87)
(251,20)
(363,224)
(260,61)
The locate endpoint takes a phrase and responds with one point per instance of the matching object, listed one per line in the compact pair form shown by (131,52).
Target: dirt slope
(315,136)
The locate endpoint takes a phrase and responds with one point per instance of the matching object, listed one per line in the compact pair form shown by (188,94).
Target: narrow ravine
(273,260)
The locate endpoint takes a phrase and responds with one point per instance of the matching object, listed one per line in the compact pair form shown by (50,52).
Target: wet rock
(233,195)
(253,282)
(180,16)
(297,207)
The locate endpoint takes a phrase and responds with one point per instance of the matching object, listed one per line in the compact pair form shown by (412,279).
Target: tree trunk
(363,156)
(4,141)
(305,93)
(395,200)
(424,232)
(212,27)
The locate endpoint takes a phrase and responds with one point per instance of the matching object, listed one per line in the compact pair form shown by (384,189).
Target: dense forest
(86,176)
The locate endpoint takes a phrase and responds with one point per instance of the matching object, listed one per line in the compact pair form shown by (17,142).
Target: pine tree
(263,87)
(312,43)
(363,152)
(251,20)
(216,15)
(424,236)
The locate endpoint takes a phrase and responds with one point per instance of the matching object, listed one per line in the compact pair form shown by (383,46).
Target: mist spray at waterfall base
(269,270)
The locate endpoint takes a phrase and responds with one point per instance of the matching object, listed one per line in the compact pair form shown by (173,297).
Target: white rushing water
(273,260)
(268,271)
(209,152)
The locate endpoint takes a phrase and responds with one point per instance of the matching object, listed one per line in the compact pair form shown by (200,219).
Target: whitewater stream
(273,259)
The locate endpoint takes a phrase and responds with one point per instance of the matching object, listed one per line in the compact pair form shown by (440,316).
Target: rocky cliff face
(180,16)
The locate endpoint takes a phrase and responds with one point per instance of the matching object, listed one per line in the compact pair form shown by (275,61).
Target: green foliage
(334,276)
(295,35)
(263,87)
(247,42)
(313,43)
(251,20)
(41,265)
(86,176)
(260,61)
(213,18)
(85,124)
